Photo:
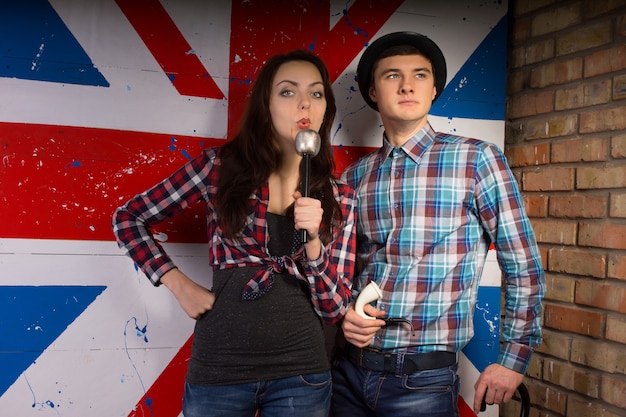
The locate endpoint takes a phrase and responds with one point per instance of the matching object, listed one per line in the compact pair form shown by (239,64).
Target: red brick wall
(566,144)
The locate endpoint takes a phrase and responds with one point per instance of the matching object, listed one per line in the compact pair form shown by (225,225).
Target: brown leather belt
(399,363)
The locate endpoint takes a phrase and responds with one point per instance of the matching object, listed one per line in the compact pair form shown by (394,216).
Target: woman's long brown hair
(251,156)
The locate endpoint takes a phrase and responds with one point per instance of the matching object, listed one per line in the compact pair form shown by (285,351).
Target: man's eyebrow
(418,69)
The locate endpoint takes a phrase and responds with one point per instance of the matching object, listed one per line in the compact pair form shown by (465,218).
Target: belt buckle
(359,356)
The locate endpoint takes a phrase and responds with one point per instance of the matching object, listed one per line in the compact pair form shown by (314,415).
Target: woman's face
(297,101)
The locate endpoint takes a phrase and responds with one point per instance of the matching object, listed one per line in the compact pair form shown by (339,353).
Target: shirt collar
(414,148)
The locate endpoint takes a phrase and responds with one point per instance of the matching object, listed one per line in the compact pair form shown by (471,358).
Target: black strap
(399,363)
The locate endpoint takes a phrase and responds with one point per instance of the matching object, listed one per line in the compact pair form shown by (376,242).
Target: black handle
(524,399)
(305,175)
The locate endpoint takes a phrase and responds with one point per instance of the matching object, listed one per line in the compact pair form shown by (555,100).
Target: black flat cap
(426,46)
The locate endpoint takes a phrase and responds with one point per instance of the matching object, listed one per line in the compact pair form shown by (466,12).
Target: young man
(430,205)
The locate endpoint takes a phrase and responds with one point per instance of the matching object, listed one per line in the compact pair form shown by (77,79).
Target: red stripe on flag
(356,29)
(464,409)
(64,182)
(265,28)
(170,48)
(165,396)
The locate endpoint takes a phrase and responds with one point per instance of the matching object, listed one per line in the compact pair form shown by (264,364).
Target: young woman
(258,342)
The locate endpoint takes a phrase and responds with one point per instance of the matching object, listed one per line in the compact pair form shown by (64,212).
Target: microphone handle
(305,174)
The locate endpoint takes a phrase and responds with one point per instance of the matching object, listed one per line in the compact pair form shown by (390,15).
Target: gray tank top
(276,336)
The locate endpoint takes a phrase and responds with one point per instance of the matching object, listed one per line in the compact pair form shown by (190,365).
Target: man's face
(403,87)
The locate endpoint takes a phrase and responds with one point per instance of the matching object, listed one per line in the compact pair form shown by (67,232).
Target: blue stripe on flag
(478,90)
(31,318)
(484,347)
(35,44)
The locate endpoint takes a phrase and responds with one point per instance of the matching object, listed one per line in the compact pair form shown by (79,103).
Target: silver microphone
(308,144)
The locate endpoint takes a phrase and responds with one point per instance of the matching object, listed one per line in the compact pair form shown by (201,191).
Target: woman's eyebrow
(295,84)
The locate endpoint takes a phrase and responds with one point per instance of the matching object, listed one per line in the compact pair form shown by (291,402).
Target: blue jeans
(359,392)
(302,395)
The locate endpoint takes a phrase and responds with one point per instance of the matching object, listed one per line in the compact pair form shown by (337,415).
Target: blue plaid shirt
(428,213)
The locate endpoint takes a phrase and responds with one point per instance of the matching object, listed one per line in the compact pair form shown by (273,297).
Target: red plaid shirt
(329,278)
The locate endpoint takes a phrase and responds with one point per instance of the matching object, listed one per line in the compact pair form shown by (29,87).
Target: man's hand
(499,384)
(192,297)
(359,331)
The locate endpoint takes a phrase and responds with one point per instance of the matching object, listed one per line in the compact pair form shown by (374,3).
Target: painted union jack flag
(102,99)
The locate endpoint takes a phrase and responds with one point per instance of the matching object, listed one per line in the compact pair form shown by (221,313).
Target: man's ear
(373,93)
(434,93)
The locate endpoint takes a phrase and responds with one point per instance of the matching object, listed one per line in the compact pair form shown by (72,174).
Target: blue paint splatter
(340,124)
(139,332)
(73,164)
(357,30)
(172,147)
(46,403)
